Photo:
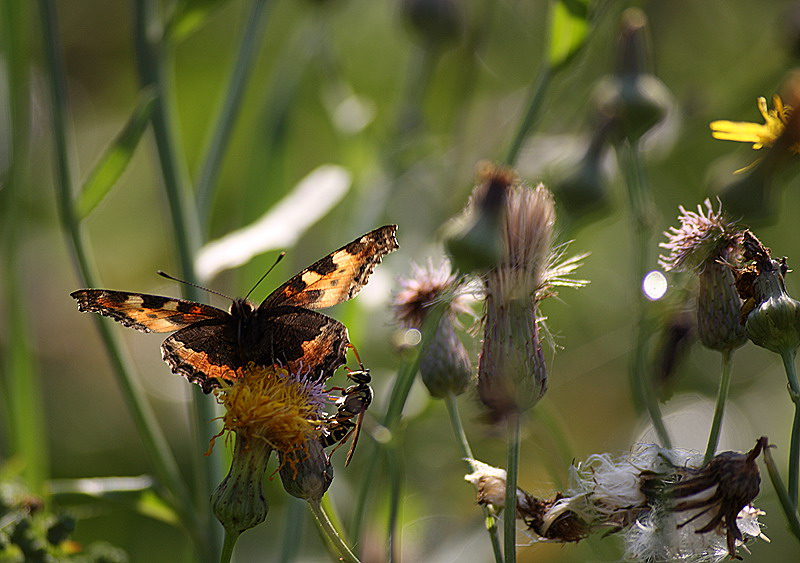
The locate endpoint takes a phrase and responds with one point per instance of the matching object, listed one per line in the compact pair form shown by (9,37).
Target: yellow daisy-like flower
(268,408)
(761,135)
(271,405)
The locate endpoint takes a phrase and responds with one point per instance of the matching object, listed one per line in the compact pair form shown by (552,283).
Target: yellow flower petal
(742,131)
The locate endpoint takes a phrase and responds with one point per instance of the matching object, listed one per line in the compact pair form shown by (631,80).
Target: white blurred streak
(281,226)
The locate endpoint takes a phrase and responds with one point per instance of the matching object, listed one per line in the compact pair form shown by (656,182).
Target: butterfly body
(210,344)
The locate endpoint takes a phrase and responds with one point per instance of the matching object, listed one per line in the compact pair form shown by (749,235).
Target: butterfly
(212,345)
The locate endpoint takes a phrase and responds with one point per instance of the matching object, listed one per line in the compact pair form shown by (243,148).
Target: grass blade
(116,157)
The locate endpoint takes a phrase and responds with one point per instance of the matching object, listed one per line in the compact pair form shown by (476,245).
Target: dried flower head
(668,508)
(512,374)
(702,238)
(707,244)
(695,511)
(772,317)
(716,493)
(491,484)
(427,286)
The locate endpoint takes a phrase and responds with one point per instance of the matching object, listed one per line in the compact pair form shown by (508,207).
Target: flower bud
(584,190)
(512,373)
(633,100)
(444,362)
(475,243)
(706,243)
(239,502)
(306,474)
(434,292)
(775,323)
(436,22)
(718,309)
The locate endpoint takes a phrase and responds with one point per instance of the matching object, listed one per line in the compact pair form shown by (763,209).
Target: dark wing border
(145,312)
(337,277)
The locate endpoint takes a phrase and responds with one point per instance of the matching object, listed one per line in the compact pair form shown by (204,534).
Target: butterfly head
(241,308)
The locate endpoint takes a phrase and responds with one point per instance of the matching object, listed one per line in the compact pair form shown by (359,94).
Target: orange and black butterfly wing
(301,340)
(337,277)
(147,313)
(205,353)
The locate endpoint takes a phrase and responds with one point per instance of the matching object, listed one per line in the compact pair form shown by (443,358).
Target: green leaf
(116,158)
(134,493)
(190,15)
(569,27)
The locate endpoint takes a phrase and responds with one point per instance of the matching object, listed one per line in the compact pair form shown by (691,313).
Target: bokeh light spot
(654,285)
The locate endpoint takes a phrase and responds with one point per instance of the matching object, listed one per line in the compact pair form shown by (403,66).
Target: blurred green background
(427,120)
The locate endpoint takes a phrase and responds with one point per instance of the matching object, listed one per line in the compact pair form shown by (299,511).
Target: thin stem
(535,98)
(399,395)
(212,161)
(640,202)
(410,115)
(26,427)
(293,530)
(395,470)
(227,546)
(152,56)
(788,357)
(549,425)
(512,468)
(344,552)
(787,502)
(719,410)
(451,402)
(365,493)
(164,465)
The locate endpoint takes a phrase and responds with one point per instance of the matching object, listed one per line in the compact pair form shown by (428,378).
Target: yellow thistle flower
(274,406)
(760,135)
(267,408)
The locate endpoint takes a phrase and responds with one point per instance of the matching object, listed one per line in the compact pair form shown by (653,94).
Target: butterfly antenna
(173,278)
(277,261)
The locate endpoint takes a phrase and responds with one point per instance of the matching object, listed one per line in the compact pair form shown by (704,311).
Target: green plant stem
(344,552)
(397,400)
(512,469)
(787,502)
(788,357)
(228,545)
(26,427)
(451,402)
(152,56)
(251,39)
(546,419)
(164,465)
(410,115)
(535,99)
(293,530)
(719,410)
(394,464)
(640,202)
